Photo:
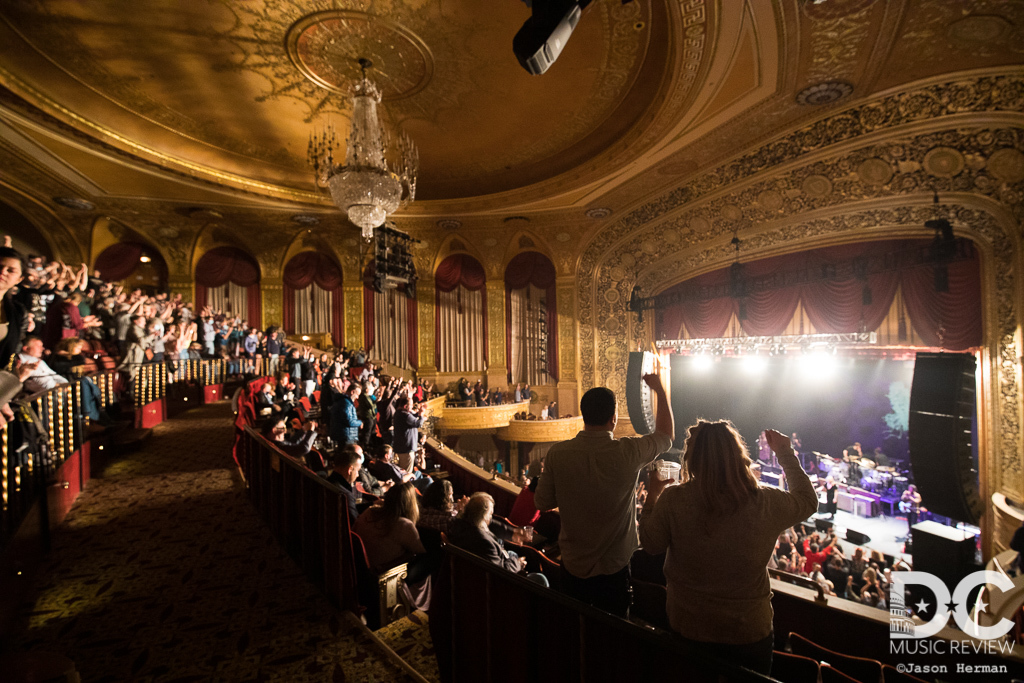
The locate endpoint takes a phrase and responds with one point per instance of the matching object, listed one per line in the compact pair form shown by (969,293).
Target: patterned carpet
(164,573)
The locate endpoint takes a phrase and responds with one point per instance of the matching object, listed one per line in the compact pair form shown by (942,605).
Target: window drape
(228,265)
(950,320)
(390,323)
(313,296)
(118,261)
(526,340)
(460,321)
(525,270)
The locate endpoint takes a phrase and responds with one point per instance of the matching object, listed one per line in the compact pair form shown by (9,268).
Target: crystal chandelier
(365,187)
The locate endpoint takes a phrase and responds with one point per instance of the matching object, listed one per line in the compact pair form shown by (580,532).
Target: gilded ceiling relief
(836,45)
(941,30)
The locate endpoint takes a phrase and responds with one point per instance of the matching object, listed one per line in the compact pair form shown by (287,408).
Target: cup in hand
(666,469)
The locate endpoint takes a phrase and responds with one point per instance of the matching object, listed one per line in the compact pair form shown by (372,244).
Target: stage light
(755,364)
(818,364)
(701,362)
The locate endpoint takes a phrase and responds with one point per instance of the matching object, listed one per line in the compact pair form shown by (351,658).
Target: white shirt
(43,377)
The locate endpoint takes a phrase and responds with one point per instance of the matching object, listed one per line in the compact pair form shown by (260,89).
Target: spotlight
(145,259)
(702,362)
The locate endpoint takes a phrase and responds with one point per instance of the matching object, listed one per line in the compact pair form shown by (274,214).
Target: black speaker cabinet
(945,551)
(941,410)
(638,394)
(823,525)
(857,537)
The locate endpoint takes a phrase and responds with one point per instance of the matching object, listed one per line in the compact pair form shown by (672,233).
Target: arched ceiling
(193,117)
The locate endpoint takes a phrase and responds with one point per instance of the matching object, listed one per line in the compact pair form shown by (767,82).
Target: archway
(228,279)
(531,319)
(313,296)
(461,315)
(135,265)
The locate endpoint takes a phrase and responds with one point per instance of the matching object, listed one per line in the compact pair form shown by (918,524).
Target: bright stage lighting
(818,364)
(701,362)
(755,364)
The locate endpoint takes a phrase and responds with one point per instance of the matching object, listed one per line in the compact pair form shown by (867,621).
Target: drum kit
(862,472)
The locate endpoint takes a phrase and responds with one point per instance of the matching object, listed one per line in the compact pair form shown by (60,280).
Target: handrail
(800,581)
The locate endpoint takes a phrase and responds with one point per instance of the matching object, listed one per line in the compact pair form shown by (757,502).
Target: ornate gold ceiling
(149,109)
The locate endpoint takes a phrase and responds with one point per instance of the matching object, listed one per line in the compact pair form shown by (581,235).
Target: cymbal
(886,469)
(867,462)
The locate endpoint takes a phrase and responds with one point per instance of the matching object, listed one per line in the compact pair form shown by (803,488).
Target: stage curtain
(369,319)
(461,309)
(412,327)
(230,266)
(390,326)
(524,350)
(951,320)
(118,261)
(765,312)
(533,269)
(838,306)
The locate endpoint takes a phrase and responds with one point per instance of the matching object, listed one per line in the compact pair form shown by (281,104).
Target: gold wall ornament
(272,291)
(944,162)
(874,172)
(427,336)
(354,338)
(1006,165)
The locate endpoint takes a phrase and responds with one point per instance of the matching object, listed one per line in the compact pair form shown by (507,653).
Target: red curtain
(221,265)
(119,261)
(950,320)
(533,268)
(312,267)
(459,269)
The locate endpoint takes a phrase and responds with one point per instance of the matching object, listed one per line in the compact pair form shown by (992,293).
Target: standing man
(407,432)
(345,422)
(592,479)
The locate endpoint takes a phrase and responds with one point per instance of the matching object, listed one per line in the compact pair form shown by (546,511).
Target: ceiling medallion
(816,186)
(944,162)
(74,203)
(824,93)
(874,171)
(365,187)
(979,29)
(326,46)
(305,219)
(598,212)
(1007,165)
(449,224)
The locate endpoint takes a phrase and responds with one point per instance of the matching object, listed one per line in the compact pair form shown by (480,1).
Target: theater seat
(858,668)
(304,402)
(794,668)
(649,600)
(830,674)
(536,561)
(379,593)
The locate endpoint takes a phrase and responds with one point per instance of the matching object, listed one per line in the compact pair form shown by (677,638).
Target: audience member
(592,479)
(726,612)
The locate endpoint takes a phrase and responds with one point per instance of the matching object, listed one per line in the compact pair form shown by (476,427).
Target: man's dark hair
(402,402)
(347,458)
(10,252)
(597,406)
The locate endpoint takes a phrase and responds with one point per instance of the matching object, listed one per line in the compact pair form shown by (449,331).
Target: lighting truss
(774,345)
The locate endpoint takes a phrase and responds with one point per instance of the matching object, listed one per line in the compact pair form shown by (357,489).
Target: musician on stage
(830,490)
(851,456)
(910,503)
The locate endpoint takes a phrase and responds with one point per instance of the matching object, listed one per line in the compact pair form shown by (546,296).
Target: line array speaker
(638,394)
(942,406)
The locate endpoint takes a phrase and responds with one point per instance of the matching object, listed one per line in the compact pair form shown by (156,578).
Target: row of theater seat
(809,662)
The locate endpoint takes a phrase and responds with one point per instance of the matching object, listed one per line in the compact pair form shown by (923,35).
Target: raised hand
(778,442)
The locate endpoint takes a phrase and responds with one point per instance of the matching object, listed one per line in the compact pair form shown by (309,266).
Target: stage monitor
(942,409)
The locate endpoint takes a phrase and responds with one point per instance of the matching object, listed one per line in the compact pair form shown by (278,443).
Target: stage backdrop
(858,400)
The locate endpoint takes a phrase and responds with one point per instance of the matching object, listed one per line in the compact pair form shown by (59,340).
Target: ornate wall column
(497,366)
(425,334)
(353,288)
(184,285)
(567,390)
(272,293)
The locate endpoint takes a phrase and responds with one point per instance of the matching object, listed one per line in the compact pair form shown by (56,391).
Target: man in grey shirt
(591,479)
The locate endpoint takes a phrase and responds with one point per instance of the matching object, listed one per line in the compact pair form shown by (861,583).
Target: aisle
(164,572)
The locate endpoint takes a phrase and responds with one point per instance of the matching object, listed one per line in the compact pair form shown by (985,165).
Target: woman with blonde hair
(720,511)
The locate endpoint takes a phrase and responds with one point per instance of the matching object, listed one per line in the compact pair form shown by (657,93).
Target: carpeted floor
(164,572)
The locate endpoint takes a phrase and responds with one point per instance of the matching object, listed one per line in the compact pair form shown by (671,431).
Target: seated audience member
(390,536)
(67,357)
(524,511)
(385,468)
(371,484)
(471,532)
(835,571)
(871,593)
(344,473)
(439,507)
(296,444)
(43,377)
(266,401)
(724,612)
